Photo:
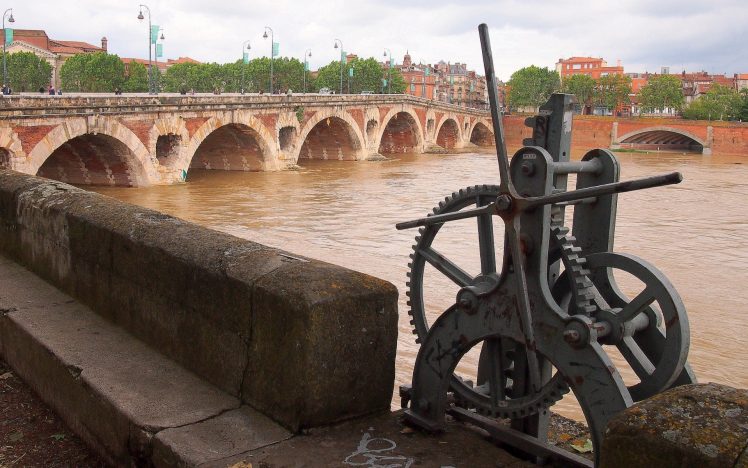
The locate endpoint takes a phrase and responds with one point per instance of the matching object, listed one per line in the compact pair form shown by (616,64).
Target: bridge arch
(448,132)
(93,151)
(400,132)
(237,143)
(169,138)
(330,134)
(11,149)
(662,138)
(5,158)
(481,133)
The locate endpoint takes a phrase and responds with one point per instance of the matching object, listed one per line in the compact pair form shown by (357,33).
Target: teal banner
(8,35)
(392,62)
(342,55)
(472,86)
(427,72)
(154,33)
(306,66)
(350,72)
(245,59)
(276,49)
(159,50)
(384,81)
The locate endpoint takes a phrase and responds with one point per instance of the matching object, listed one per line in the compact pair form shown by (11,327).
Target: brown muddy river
(345,212)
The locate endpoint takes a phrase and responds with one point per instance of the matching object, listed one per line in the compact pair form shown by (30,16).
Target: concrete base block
(232,433)
(692,425)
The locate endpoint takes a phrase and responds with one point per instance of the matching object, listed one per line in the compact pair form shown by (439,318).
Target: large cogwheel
(508,403)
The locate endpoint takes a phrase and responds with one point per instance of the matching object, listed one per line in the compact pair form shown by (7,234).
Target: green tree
(97,72)
(368,75)
(719,103)
(532,86)
(27,72)
(612,91)
(743,115)
(660,93)
(137,78)
(328,76)
(581,86)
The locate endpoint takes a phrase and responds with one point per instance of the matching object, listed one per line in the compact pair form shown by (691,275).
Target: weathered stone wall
(307,343)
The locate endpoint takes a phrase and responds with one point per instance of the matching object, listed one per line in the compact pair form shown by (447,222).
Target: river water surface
(344,212)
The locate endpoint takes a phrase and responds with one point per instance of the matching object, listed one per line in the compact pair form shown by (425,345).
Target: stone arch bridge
(139,141)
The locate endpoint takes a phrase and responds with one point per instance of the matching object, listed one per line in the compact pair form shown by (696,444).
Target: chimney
(103,43)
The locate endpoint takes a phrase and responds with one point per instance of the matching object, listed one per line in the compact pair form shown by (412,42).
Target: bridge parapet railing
(35,106)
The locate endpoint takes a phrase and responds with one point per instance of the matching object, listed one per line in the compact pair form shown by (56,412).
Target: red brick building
(590,66)
(420,80)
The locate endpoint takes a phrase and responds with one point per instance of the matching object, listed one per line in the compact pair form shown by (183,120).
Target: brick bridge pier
(146,140)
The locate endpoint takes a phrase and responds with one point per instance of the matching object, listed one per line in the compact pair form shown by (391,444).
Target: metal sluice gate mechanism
(543,320)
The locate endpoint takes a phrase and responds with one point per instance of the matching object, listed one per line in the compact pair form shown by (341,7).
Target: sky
(644,35)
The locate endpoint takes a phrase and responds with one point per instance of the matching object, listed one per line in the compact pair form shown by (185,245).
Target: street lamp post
(389,69)
(307,53)
(272,47)
(5,64)
(150,48)
(244,65)
(156,82)
(341,62)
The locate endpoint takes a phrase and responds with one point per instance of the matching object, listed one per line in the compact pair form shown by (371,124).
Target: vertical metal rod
(498,126)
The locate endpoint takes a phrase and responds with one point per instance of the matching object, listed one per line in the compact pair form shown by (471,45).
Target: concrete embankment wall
(305,342)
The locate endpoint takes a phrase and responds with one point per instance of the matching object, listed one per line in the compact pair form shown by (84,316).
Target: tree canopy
(612,90)
(719,103)
(660,93)
(532,86)
(27,72)
(367,75)
(93,73)
(581,86)
(137,78)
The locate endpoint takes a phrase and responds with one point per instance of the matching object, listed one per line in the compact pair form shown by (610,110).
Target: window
(577,66)
(412,87)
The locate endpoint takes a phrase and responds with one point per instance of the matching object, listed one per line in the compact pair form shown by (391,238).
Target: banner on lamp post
(306,66)
(276,49)
(392,62)
(154,33)
(350,72)
(245,58)
(159,50)
(8,35)
(342,55)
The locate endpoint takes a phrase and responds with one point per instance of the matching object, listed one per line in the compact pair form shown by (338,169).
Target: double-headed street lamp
(389,70)
(248,46)
(341,62)
(307,53)
(5,64)
(150,47)
(272,50)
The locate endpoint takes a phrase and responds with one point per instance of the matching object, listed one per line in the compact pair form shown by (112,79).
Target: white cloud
(643,34)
